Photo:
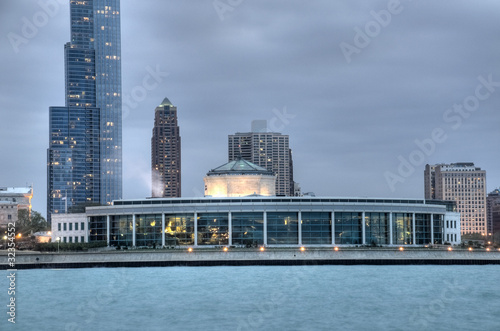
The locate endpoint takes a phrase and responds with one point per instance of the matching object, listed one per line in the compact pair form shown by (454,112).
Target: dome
(239,167)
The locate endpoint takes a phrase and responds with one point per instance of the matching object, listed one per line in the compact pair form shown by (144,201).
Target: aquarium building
(271,221)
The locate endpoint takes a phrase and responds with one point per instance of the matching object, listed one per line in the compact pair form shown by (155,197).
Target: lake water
(257,298)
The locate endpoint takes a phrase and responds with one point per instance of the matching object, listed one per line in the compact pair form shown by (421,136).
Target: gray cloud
(352,120)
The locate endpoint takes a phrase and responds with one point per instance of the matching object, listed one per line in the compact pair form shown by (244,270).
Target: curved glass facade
(251,222)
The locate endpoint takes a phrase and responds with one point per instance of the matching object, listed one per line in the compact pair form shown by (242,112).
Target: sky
(368,91)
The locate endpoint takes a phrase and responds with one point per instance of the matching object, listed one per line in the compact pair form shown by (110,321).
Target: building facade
(239,178)
(270,150)
(270,221)
(466,185)
(166,152)
(9,212)
(20,196)
(493,207)
(69,228)
(93,111)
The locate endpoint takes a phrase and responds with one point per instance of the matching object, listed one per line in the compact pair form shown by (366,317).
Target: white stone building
(70,228)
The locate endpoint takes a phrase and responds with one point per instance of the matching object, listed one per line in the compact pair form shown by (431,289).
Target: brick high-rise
(166,152)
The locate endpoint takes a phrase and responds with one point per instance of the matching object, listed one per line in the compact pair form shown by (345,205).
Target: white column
(332,219)
(414,234)
(230,228)
(108,230)
(432,228)
(133,230)
(363,229)
(162,229)
(390,229)
(265,228)
(300,227)
(196,229)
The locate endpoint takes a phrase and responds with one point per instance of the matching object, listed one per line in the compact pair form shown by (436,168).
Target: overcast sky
(354,84)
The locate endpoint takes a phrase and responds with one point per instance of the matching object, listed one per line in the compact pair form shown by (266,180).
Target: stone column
(133,230)
(390,229)
(265,228)
(162,229)
(299,221)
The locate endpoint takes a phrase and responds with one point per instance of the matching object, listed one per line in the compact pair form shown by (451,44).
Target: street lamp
(58,239)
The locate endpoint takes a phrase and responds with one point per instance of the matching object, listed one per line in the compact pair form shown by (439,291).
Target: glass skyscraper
(84,158)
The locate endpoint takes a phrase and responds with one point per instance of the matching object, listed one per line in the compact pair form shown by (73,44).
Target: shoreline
(248,257)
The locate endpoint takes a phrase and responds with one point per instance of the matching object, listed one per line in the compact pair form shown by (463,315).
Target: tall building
(466,185)
(493,211)
(84,158)
(269,150)
(166,152)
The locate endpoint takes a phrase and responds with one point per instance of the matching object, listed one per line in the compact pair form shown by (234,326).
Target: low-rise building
(8,213)
(69,228)
(20,196)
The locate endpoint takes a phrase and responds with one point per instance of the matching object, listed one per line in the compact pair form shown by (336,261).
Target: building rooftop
(240,167)
(15,190)
(166,102)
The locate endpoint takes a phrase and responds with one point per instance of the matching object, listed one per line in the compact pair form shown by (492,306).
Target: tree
(27,225)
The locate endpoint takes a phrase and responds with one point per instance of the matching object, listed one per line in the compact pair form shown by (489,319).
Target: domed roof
(240,167)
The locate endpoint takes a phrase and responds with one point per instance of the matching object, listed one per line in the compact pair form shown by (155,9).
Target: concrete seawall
(323,256)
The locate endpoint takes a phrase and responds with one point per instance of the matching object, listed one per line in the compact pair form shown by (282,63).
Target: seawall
(242,257)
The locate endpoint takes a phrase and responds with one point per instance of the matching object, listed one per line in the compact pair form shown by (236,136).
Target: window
(348,228)
(9,217)
(316,228)
(76,239)
(64,228)
(76,226)
(248,228)
(81,239)
(58,226)
(64,238)
(82,226)
(70,226)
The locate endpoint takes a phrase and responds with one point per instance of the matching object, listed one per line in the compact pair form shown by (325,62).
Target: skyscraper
(269,150)
(166,152)
(84,158)
(493,207)
(463,183)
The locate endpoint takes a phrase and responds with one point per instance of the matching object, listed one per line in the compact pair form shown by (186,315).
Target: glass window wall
(348,229)
(179,229)
(423,229)
(402,229)
(121,230)
(282,228)
(316,228)
(148,230)
(213,229)
(377,228)
(248,229)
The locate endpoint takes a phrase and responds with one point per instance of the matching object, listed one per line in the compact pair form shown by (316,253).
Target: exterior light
(401,248)
(190,249)
(450,249)
(225,249)
(336,249)
(470,249)
(19,235)
(262,248)
(302,249)
(4,237)
(488,249)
